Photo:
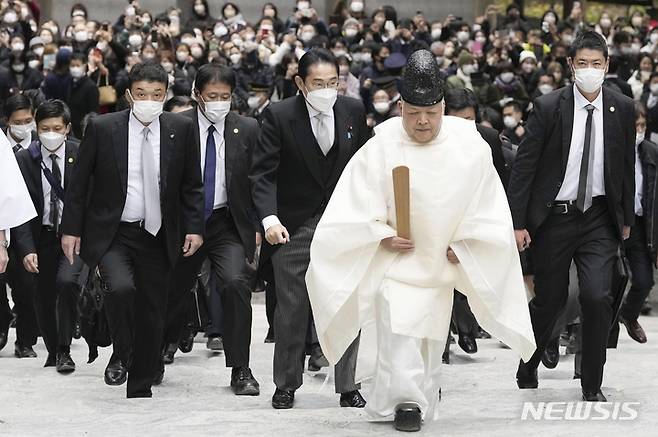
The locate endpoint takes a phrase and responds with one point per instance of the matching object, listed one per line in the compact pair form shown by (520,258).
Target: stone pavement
(480,397)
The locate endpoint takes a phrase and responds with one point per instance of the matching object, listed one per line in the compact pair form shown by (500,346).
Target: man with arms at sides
(136,188)
(398,291)
(572,195)
(46,166)
(225,140)
(305,143)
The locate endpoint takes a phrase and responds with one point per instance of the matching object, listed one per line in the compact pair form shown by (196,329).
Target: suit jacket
(97,191)
(492,138)
(286,174)
(541,159)
(27,236)
(240,136)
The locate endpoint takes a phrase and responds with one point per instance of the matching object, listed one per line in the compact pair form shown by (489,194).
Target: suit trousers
(590,240)
(136,272)
(57,292)
(22,293)
(223,247)
(292,313)
(641,264)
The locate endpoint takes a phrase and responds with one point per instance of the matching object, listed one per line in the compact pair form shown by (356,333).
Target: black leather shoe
(482,333)
(168,355)
(283,399)
(4,335)
(269,338)
(65,363)
(317,360)
(596,396)
(159,376)
(445,358)
(187,341)
(215,344)
(24,351)
(551,355)
(634,330)
(116,373)
(467,343)
(243,382)
(526,377)
(352,399)
(408,417)
(51,361)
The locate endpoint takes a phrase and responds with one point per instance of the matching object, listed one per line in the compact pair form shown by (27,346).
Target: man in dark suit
(135,190)
(571,194)
(225,140)
(304,145)
(46,167)
(21,131)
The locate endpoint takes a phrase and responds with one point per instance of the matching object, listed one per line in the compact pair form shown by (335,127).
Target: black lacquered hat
(421,81)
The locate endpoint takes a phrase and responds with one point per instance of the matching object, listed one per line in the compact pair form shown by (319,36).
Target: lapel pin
(171,135)
(236,130)
(70,160)
(612,109)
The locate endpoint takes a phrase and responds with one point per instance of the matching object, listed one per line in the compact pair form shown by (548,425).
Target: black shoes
(596,396)
(526,376)
(283,399)
(116,372)
(243,382)
(187,341)
(408,417)
(24,351)
(317,360)
(51,361)
(634,329)
(215,344)
(551,355)
(269,338)
(467,343)
(168,355)
(352,399)
(65,363)
(159,376)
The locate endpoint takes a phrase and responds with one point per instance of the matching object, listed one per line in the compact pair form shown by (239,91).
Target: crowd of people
(231,78)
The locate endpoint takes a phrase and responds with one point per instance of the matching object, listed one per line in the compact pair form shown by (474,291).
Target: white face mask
(322,100)
(34,64)
(469,69)
(135,40)
(81,36)
(52,141)
(235,58)
(77,72)
(545,88)
(356,6)
(146,110)
(220,31)
(653,38)
(589,80)
(507,77)
(38,51)
(168,66)
(306,36)
(46,39)
(639,137)
(654,88)
(463,36)
(181,56)
(253,102)
(216,111)
(22,131)
(436,33)
(510,122)
(381,107)
(11,17)
(18,46)
(351,32)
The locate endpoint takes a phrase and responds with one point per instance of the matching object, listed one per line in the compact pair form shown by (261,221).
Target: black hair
(177,101)
(313,57)
(79,7)
(493,117)
(53,109)
(588,40)
(653,74)
(237,9)
(214,73)
(514,104)
(622,37)
(460,98)
(273,6)
(79,56)
(148,71)
(15,103)
(204,3)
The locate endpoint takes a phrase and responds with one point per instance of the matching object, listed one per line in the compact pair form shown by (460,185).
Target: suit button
(549,204)
(559,184)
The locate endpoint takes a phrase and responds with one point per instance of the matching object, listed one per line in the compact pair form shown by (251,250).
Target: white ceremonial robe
(16,205)
(457,201)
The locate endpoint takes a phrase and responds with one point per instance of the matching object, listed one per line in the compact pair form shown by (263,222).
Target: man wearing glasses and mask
(305,143)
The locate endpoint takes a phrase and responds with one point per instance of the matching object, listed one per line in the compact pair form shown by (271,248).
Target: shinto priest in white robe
(402,303)
(16,205)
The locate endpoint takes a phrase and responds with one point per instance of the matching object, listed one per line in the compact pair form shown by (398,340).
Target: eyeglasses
(322,85)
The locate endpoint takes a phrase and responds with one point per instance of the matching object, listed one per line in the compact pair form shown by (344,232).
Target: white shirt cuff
(270,221)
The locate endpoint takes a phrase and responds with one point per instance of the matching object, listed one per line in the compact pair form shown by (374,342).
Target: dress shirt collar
(581,101)
(138,127)
(204,124)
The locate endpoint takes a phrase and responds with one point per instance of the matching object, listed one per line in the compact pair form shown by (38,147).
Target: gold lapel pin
(236,130)
(171,136)
(612,109)
(70,160)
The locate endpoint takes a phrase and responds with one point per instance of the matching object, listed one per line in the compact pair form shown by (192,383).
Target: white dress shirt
(133,209)
(569,189)
(639,181)
(272,220)
(45,186)
(221,195)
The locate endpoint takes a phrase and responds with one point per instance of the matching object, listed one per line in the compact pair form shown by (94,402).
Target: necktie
(322,133)
(584,199)
(209,170)
(152,211)
(54,201)
(17,148)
